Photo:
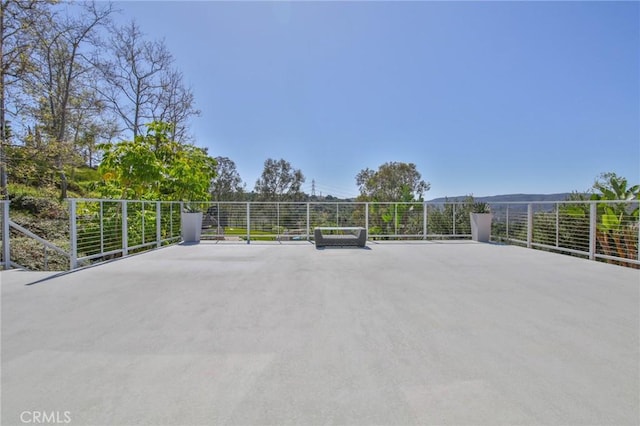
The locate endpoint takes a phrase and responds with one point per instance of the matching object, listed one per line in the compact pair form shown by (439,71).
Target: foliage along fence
(99,230)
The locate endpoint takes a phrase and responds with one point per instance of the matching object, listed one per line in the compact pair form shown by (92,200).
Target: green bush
(43,208)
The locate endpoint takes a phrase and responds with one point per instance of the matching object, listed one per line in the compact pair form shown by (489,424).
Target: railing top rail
(113,200)
(358,202)
(567,202)
(333,203)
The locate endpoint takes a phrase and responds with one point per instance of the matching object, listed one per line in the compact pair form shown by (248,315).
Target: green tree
(393,181)
(279,182)
(227,186)
(617,223)
(613,187)
(153,166)
(617,231)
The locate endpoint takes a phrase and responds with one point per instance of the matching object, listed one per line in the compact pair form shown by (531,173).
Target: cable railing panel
(97,230)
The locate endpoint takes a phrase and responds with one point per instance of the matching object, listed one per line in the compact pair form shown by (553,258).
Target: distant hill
(507,198)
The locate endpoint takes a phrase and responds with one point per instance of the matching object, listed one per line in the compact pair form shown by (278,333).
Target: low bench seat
(340,236)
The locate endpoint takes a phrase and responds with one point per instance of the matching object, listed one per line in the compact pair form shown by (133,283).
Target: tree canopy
(152,166)
(393,181)
(227,186)
(71,81)
(279,181)
(613,187)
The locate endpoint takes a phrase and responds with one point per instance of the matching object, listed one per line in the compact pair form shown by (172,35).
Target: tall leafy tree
(617,230)
(279,181)
(152,166)
(227,186)
(617,223)
(610,186)
(393,181)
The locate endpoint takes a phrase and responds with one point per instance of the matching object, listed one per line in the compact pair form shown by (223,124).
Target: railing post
(507,218)
(218,233)
(158,224)
(248,223)
(6,237)
(101,227)
(144,240)
(395,218)
(308,222)
(181,210)
(454,219)
(593,220)
(125,230)
(171,219)
(366,217)
(424,221)
(529,224)
(557,224)
(73,235)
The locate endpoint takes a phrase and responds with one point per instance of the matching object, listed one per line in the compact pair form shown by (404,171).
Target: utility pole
(313,187)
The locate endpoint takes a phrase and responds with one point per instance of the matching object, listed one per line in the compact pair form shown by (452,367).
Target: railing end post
(6,237)
(73,234)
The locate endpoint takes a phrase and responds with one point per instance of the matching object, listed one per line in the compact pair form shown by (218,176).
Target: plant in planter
(155,167)
(480,222)
(191,177)
(191,218)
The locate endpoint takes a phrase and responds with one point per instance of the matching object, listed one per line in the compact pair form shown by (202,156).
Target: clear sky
(485,98)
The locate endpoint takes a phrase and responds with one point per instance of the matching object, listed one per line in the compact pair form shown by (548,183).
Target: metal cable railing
(22,245)
(105,229)
(97,230)
(598,230)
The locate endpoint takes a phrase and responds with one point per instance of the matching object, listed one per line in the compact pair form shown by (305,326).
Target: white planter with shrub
(481,218)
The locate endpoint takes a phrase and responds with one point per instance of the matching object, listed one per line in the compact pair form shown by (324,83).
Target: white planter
(191,227)
(481,226)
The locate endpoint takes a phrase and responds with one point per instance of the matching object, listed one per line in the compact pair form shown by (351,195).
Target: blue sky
(485,98)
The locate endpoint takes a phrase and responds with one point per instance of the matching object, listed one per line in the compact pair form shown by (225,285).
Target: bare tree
(134,76)
(18,20)
(176,105)
(63,77)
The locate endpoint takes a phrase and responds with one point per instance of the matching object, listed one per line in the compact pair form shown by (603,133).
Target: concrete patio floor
(277,334)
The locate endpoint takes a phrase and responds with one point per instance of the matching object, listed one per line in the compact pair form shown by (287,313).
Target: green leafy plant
(480,207)
(153,167)
(617,231)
